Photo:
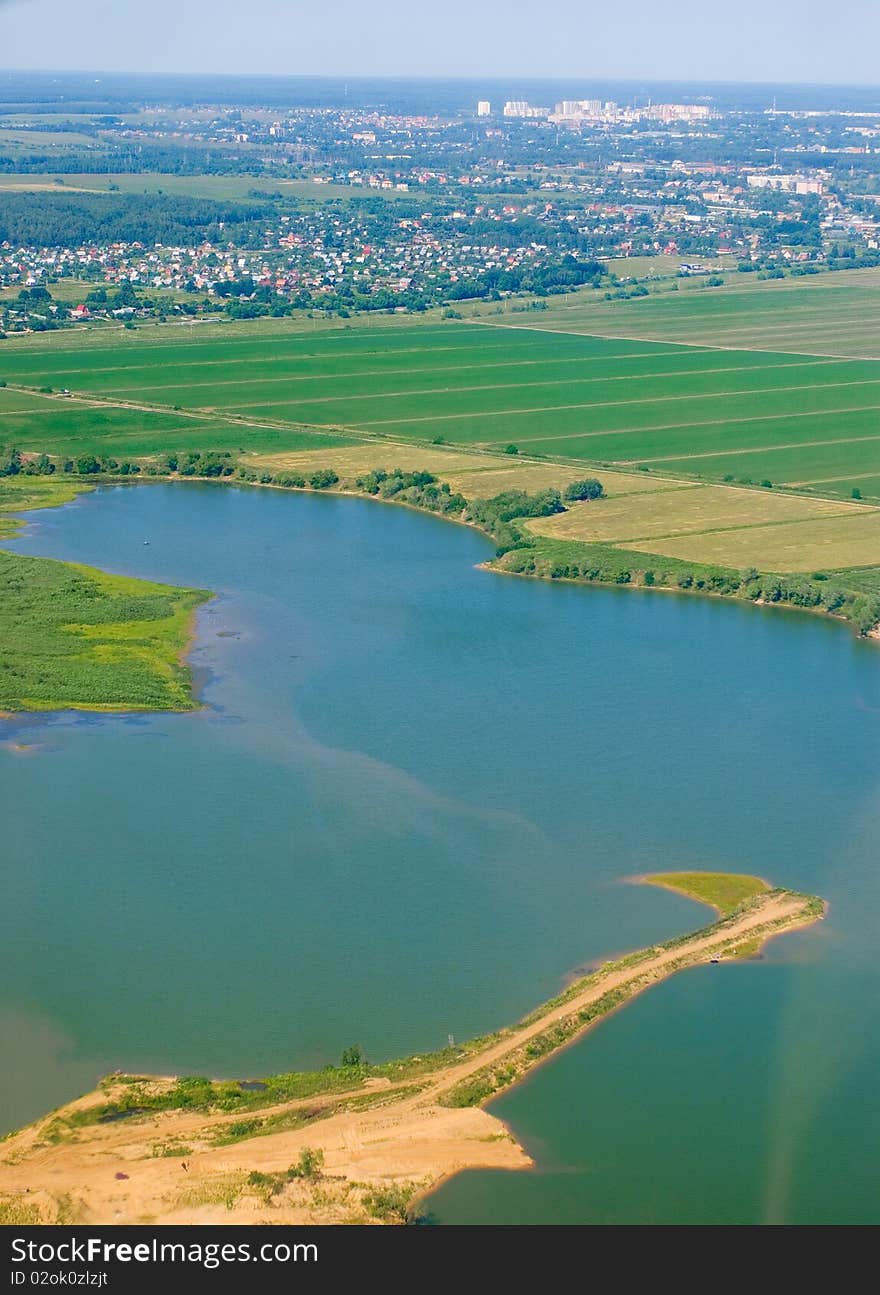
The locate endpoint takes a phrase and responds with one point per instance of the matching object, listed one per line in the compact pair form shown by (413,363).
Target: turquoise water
(405,812)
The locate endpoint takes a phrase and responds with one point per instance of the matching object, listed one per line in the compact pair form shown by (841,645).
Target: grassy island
(77,638)
(353,1143)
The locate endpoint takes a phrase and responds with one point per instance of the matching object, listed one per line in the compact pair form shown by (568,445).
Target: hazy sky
(749,40)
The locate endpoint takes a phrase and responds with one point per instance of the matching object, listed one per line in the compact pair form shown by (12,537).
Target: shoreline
(493,565)
(406,1126)
(817,612)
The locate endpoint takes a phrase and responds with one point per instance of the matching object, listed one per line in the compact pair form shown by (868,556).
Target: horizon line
(437,76)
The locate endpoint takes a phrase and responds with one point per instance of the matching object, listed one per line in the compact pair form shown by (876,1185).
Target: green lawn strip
(133,1096)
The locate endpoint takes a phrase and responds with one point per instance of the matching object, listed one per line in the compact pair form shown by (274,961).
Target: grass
(689,510)
(73,292)
(217,187)
(787,547)
(478,474)
(55,425)
(723,891)
(77,638)
(710,414)
(19,1213)
(727,526)
(836,314)
(20,494)
(641,267)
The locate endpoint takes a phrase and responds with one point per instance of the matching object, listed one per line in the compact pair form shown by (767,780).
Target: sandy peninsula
(372,1149)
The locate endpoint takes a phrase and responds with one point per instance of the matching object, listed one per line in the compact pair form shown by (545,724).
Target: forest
(73,219)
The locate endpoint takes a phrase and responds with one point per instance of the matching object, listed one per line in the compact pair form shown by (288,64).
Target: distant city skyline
(789,41)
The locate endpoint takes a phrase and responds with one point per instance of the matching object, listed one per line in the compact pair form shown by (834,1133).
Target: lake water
(406,812)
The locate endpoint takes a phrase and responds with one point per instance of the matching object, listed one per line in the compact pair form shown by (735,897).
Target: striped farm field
(747,415)
(679,434)
(825,314)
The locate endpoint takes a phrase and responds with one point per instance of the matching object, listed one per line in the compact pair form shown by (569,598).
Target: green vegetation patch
(723,891)
(19,494)
(76,638)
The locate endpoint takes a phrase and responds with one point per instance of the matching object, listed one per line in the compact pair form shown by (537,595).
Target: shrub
(309,1165)
(390,1203)
(589,488)
(323,479)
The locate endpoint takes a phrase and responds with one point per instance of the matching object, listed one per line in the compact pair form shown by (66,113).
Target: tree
(87,464)
(354,1056)
(10,466)
(589,488)
(125,295)
(41,466)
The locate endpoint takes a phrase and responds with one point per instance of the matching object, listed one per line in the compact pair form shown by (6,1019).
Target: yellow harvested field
(483,482)
(350,459)
(825,543)
(477,476)
(689,510)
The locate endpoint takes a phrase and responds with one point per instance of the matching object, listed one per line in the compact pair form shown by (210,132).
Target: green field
(743,415)
(687,438)
(824,314)
(220,188)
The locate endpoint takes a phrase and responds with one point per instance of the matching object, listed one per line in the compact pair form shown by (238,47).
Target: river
(406,812)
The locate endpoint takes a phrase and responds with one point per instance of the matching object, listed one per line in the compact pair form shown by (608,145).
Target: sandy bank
(168,1166)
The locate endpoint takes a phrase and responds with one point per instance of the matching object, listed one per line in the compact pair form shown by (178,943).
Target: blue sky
(748,40)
